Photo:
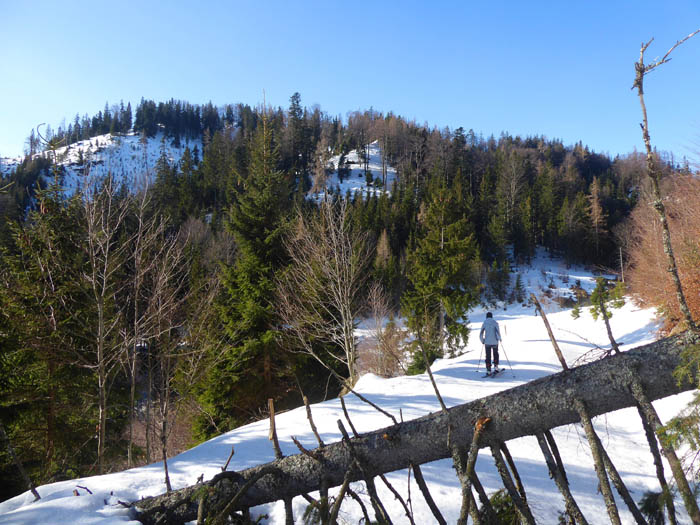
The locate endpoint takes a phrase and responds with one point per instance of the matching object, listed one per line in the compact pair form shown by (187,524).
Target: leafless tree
(511,183)
(105,213)
(323,292)
(596,213)
(387,357)
(145,258)
(654,171)
(178,336)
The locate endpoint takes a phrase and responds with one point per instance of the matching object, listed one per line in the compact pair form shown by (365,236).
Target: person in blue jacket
(490,336)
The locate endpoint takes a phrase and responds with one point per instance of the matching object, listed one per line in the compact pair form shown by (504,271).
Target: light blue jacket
(490,333)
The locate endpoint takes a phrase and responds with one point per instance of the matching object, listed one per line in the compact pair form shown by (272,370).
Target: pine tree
(126,119)
(254,368)
(603,299)
(597,215)
(443,277)
(44,328)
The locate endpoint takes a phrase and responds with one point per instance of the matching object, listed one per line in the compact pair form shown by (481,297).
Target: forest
(137,321)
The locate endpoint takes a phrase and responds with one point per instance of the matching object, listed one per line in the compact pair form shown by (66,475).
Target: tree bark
(654,448)
(529,409)
(557,350)
(655,174)
(597,452)
(557,473)
(644,399)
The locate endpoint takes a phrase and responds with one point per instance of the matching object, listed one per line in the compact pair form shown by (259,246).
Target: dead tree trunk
(652,418)
(557,350)
(532,408)
(654,172)
(18,463)
(557,473)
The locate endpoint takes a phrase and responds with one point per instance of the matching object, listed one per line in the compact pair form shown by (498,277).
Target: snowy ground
(356,182)
(124,156)
(527,355)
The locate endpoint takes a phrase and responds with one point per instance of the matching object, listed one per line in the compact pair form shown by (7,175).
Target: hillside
(527,356)
(127,157)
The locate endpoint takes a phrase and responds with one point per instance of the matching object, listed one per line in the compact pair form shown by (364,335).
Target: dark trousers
(489,349)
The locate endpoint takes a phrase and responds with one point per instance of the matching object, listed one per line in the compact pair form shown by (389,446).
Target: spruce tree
(254,368)
(603,299)
(44,328)
(443,278)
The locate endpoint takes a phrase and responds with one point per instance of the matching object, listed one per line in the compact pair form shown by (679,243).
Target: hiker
(490,336)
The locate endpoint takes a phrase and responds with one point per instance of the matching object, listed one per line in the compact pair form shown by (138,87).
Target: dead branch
(654,174)
(230,456)
(597,453)
(557,350)
(521,505)
(557,473)
(420,480)
(398,497)
(642,397)
(380,512)
(311,422)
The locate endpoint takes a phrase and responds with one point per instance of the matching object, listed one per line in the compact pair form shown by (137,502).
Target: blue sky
(559,69)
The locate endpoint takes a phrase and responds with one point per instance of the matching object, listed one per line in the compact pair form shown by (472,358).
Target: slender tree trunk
(132,402)
(557,350)
(164,447)
(654,173)
(102,393)
(18,463)
(597,452)
(149,402)
(606,319)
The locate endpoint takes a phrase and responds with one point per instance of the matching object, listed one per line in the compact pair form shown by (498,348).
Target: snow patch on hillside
(127,157)
(355,180)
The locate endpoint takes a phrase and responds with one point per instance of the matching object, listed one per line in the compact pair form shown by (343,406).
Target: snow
(527,354)
(126,157)
(356,182)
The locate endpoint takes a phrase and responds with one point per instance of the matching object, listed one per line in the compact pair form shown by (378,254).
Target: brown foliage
(647,272)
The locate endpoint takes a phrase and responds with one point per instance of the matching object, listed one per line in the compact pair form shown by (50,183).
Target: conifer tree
(443,278)
(254,366)
(603,299)
(43,330)
(597,215)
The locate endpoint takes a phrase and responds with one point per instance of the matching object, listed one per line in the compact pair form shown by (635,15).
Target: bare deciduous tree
(654,172)
(322,293)
(105,213)
(386,358)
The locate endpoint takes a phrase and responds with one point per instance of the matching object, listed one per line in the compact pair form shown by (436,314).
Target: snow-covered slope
(526,355)
(355,180)
(127,157)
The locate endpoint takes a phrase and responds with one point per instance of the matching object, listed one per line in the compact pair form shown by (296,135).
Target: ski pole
(478,364)
(503,347)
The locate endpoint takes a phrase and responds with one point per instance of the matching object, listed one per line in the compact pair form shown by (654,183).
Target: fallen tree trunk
(526,410)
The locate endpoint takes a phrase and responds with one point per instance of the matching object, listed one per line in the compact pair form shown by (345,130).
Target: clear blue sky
(559,69)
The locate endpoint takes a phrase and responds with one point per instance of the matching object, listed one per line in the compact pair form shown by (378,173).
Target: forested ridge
(130,317)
